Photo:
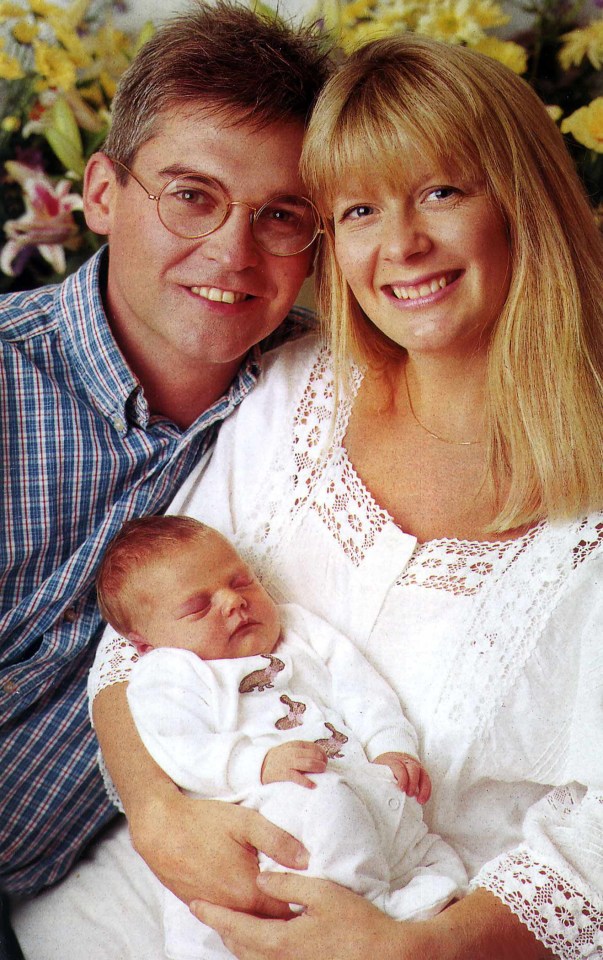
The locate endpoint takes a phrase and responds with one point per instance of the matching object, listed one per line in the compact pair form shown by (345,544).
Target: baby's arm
(290,761)
(410,775)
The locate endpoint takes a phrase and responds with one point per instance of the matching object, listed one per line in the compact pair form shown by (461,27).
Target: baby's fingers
(424,786)
(295,776)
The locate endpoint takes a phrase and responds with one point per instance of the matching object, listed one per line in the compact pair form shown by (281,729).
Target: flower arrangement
(58,69)
(60,61)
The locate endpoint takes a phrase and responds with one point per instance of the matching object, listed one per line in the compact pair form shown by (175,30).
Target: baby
(240,700)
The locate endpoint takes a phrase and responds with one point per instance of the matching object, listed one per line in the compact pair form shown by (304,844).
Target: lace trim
(552,907)
(461,567)
(314,465)
(113,664)
(594,539)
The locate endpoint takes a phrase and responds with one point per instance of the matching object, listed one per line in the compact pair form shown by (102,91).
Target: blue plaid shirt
(81,453)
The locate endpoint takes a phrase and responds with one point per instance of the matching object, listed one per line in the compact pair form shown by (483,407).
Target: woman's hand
(339,925)
(335,925)
(197,848)
(207,848)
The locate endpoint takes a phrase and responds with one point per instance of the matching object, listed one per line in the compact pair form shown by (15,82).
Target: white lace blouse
(495,649)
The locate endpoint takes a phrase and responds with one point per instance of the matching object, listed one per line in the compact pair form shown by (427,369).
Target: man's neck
(183,398)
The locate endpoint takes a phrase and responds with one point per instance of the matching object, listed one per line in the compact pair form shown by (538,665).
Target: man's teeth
(219,296)
(413,293)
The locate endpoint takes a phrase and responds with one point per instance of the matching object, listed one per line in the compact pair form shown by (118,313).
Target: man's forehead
(230,122)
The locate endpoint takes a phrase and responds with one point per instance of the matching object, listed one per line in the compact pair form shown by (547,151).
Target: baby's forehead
(208,547)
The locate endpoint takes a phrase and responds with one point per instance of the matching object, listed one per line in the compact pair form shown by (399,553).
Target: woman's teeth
(423,290)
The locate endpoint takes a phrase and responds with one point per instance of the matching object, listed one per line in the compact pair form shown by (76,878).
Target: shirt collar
(112,387)
(91,345)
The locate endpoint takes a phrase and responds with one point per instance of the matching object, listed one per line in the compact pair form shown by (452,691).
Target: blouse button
(393,803)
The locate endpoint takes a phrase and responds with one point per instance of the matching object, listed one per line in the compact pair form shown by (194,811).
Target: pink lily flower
(46,225)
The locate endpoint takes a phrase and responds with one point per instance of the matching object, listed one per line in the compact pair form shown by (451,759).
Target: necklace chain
(436,436)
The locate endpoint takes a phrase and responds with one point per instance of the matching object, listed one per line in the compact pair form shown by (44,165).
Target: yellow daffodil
(586,125)
(10,67)
(25,31)
(55,66)
(554,112)
(583,42)
(73,45)
(10,10)
(10,124)
(41,8)
(511,54)
(460,21)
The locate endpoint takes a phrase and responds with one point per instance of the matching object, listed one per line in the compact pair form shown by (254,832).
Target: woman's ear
(100,186)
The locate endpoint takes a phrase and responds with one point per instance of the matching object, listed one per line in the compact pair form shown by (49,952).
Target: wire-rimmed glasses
(194,205)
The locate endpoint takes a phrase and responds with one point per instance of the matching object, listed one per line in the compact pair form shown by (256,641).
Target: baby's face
(201,596)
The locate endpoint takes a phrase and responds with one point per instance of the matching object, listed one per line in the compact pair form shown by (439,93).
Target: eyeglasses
(192,206)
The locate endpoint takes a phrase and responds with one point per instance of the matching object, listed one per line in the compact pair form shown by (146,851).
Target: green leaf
(63,135)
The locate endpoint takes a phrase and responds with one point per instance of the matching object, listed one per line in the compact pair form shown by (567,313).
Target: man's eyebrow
(179,170)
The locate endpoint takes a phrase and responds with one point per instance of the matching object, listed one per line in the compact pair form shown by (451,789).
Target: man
(115,383)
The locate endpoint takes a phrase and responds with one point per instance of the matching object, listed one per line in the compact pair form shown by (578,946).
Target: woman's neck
(444,398)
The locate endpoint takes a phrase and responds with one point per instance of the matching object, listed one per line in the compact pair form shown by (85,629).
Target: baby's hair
(138,543)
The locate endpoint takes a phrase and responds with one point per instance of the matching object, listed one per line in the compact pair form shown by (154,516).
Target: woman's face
(429,263)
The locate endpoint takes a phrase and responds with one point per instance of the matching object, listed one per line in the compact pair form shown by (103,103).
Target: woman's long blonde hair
(545,375)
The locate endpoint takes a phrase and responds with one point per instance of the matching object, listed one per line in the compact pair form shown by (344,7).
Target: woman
(442,503)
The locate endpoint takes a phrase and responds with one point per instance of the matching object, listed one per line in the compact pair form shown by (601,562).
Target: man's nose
(233,243)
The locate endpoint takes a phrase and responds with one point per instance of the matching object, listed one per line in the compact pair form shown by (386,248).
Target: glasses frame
(254,213)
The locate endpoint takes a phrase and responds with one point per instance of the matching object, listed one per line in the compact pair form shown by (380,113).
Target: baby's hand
(289,761)
(410,775)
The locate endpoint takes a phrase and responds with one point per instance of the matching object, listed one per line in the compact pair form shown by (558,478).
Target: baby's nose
(231,601)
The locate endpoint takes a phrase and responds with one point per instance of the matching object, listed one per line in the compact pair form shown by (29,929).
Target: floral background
(60,62)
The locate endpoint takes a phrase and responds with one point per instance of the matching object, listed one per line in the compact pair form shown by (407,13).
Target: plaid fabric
(81,453)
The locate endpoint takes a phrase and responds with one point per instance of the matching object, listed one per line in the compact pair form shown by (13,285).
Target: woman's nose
(405,236)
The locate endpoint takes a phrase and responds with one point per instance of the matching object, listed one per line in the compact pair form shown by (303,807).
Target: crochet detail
(119,656)
(592,539)
(461,567)
(552,907)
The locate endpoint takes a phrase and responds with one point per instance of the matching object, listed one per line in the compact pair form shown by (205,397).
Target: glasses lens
(192,206)
(286,225)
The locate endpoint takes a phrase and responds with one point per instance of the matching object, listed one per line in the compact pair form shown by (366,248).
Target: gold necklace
(454,443)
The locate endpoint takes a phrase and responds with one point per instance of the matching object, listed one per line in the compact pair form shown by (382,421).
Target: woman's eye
(443,193)
(358,212)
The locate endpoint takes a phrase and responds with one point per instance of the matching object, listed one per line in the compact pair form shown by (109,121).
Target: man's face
(168,297)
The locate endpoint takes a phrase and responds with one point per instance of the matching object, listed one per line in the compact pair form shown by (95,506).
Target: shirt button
(119,424)
(393,803)
(9,686)
(71,615)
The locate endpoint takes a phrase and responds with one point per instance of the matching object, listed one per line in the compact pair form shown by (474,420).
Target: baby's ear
(139,642)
